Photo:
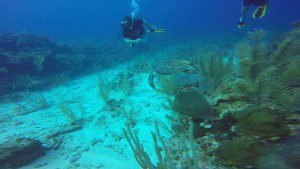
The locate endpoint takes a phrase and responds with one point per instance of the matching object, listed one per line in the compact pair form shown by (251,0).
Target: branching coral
(252,55)
(130,116)
(142,156)
(36,104)
(288,49)
(286,65)
(126,82)
(214,70)
(255,68)
(67,111)
(190,155)
(269,92)
(271,76)
(104,88)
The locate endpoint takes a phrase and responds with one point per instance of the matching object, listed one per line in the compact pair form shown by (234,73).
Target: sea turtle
(170,67)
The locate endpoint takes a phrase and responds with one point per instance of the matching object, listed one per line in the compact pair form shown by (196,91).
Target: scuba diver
(260,11)
(134,31)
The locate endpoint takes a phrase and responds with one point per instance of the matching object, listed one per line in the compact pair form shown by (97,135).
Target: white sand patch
(100,143)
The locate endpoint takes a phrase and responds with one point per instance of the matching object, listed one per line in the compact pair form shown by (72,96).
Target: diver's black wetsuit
(134,30)
(255,2)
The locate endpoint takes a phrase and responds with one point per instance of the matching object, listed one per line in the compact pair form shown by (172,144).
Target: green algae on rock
(241,152)
(262,122)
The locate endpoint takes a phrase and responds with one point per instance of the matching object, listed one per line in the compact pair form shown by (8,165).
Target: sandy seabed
(100,143)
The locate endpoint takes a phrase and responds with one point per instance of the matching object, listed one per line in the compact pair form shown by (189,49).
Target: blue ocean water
(72,19)
(195,92)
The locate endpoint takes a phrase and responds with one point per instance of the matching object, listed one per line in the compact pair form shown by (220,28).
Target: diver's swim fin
(241,24)
(159,30)
(260,12)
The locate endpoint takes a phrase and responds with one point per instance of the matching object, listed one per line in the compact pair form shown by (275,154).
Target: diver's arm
(149,26)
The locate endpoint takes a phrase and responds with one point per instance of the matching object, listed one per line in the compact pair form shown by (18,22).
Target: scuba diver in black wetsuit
(260,11)
(134,31)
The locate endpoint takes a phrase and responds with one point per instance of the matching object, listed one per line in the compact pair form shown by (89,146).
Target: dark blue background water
(99,19)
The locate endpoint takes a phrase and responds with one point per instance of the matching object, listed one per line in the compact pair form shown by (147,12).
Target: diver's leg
(128,41)
(131,42)
(244,13)
(261,9)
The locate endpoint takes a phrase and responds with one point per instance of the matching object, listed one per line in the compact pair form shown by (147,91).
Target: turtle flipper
(151,81)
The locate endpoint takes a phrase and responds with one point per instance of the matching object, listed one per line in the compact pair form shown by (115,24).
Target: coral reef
(236,112)
(262,99)
(42,61)
(248,108)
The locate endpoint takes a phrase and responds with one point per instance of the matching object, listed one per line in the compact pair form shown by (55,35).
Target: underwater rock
(221,128)
(24,41)
(27,54)
(224,125)
(11,98)
(67,129)
(198,130)
(29,62)
(20,152)
(26,60)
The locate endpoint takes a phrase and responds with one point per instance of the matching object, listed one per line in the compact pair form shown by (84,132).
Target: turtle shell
(171,67)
